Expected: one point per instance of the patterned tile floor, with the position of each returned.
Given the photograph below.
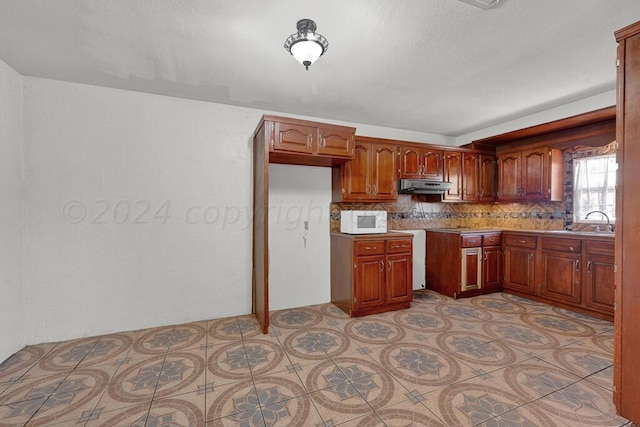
(495, 360)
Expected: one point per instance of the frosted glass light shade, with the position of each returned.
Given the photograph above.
(306, 52)
(306, 45)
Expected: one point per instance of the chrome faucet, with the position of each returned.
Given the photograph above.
(609, 226)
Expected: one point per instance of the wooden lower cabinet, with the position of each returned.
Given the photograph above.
(463, 264)
(561, 278)
(519, 263)
(569, 272)
(371, 273)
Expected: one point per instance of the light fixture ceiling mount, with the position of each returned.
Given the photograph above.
(306, 45)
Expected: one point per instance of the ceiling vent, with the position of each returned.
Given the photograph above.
(482, 4)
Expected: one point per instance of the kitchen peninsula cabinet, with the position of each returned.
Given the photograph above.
(371, 273)
(420, 163)
(370, 176)
(463, 264)
(626, 378)
(535, 174)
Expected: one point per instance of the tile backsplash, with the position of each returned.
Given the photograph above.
(409, 213)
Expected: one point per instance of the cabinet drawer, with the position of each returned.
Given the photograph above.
(398, 245)
(600, 248)
(491, 239)
(370, 247)
(520, 240)
(564, 245)
(471, 240)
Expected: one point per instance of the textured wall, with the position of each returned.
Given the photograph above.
(12, 328)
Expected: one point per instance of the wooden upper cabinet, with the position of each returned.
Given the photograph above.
(487, 178)
(356, 174)
(293, 141)
(470, 177)
(453, 174)
(336, 142)
(420, 163)
(509, 176)
(535, 174)
(293, 138)
(369, 176)
(385, 183)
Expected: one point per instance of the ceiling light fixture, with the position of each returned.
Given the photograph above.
(306, 45)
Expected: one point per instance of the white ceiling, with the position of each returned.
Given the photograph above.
(436, 66)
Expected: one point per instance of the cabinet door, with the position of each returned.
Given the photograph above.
(535, 174)
(491, 267)
(335, 142)
(470, 187)
(432, 164)
(561, 276)
(487, 178)
(292, 138)
(399, 278)
(385, 183)
(453, 174)
(599, 284)
(509, 175)
(471, 269)
(369, 281)
(519, 268)
(356, 174)
(410, 162)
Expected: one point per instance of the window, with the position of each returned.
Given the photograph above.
(594, 188)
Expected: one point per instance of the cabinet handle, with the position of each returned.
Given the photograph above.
(309, 140)
(521, 241)
(588, 267)
(577, 265)
(381, 265)
(368, 188)
(375, 189)
(322, 142)
(389, 262)
(370, 247)
(530, 257)
(571, 248)
(397, 247)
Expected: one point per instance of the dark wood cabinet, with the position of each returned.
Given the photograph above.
(470, 177)
(571, 272)
(371, 273)
(599, 276)
(519, 263)
(369, 281)
(535, 174)
(369, 176)
(626, 378)
(420, 163)
(463, 264)
(453, 174)
(561, 277)
(487, 178)
(301, 142)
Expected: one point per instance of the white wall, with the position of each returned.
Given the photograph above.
(137, 210)
(299, 275)
(12, 326)
(602, 100)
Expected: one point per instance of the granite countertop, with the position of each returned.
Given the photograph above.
(566, 233)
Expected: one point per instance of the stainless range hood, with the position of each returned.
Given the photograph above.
(423, 186)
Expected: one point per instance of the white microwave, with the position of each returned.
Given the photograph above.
(363, 222)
